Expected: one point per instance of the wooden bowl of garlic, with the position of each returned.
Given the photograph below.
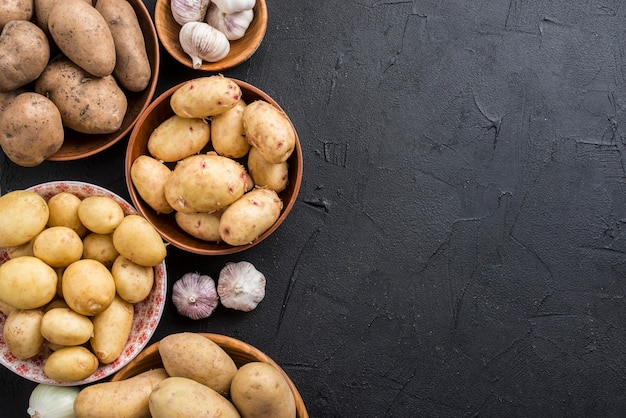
(211, 35)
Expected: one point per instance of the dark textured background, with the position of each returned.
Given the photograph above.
(458, 247)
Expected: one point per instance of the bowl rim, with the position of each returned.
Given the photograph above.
(149, 213)
(131, 349)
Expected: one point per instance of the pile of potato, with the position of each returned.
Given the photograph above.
(76, 267)
(66, 64)
(230, 192)
(198, 379)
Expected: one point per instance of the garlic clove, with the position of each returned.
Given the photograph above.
(203, 42)
(233, 25)
(194, 295)
(184, 11)
(234, 6)
(241, 286)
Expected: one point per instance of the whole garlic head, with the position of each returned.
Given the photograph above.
(184, 11)
(202, 42)
(241, 286)
(234, 6)
(233, 25)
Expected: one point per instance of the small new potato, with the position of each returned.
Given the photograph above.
(137, 240)
(58, 246)
(205, 96)
(177, 138)
(100, 247)
(124, 398)
(24, 53)
(227, 134)
(183, 352)
(100, 214)
(87, 286)
(132, 281)
(183, 397)
(149, 176)
(247, 218)
(269, 130)
(23, 215)
(265, 174)
(203, 225)
(205, 183)
(22, 332)
(27, 282)
(111, 329)
(70, 364)
(63, 208)
(65, 327)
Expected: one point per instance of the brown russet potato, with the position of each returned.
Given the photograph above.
(24, 53)
(15, 10)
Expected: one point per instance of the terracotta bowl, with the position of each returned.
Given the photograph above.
(147, 312)
(240, 352)
(77, 145)
(160, 110)
(240, 50)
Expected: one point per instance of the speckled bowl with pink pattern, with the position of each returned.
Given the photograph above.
(147, 312)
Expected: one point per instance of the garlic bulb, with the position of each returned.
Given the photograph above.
(233, 25)
(241, 286)
(234, 6)
(203, 42)
(184, 11)
(48, 401)
(194, 295)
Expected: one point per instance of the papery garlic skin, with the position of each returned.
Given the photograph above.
(233, 25)
(241, 286)
(184, 11)
(234, 6)
(202, 42)
(194, 295)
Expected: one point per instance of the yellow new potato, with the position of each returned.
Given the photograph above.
(205, 183)
(148, 176)
(22, 332)
(20, 250)
(177, 138)
(23, 214)
(100, 247)
(70, 364)
(58, 246)
(27, 282)
(247, 218)
(227, 134)
(100, 214)
(183, 397)
(87, 286)
(119, 399)
(269, 129)
(132, 281)
(258, 390)
(265, 174)
(205, 96)
(111, 329)
(202, 225)
(63, 326)
(137, 240)
(63, 208)
(183, 352)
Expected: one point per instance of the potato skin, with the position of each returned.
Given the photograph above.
(15, 10)
(258, 390)
(183, 397)
(227, 134)
(266, 174)
(269, 130)
(137, 240)
(87, 286)
(70, 364)
(58, 246)
(111, 329)
(124, 398)
(132, 67)
(31, 129)
(63, 326)
(182, 352)
(100, 214)
(83, 35)
(132, 281)
(100, 247)
(91, 105)
(247, 218)
(24, 54)
(177, 138)
(22, 332)
(203, 225)
(149, 176)
(27, 282)
(205, 96)
(63, 208)
(23, 215)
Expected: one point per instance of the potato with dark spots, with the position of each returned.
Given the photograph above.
(24, 54)
(15, 10)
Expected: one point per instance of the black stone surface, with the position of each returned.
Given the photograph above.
(458, 248)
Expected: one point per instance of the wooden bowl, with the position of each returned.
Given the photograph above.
(78, 145)
(239, 351)
(160, 110)
(240, 50)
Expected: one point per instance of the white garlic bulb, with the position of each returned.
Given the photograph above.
(203, 42)
(184, 11)
(234, 6)
(233, 25)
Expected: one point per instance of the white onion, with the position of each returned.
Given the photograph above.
(48, 401)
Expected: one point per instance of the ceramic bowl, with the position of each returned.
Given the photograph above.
(240, 50)
(239, 351)
(77, 145)
(147, 313)
(160, 110)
